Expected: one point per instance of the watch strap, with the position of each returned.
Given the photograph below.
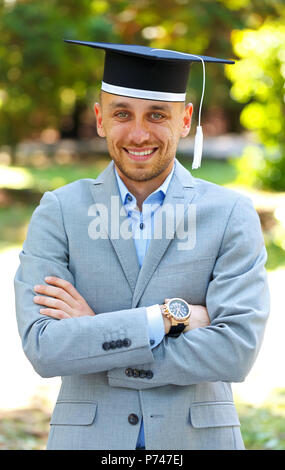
(176, 330)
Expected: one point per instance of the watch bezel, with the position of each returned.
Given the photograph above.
(179, 319)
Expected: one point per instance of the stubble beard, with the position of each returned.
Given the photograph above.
(140, 176)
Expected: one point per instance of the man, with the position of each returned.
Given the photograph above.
(122, 319)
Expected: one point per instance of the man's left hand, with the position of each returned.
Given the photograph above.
(64, 301)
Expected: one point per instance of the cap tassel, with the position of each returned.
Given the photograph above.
(198, 144)
(198, 148)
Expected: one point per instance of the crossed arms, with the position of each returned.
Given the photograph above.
(71, 343)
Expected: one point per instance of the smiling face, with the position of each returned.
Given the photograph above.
(142, 135)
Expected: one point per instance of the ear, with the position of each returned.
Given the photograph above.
(98, 114)
(187, 117)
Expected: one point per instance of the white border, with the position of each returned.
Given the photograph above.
(145, 94)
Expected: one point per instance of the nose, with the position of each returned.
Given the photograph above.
(139, 132)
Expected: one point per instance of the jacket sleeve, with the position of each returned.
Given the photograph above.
(238, 304)
(77, 345)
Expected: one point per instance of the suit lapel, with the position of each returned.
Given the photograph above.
(179, 195)
(106, 195)
(108, 200)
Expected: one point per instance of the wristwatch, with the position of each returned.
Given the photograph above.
(178, 311)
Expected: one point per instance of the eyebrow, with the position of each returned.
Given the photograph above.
(154, 107)
(163, 107)
(120, 104)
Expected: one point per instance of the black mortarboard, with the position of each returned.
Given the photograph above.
(149, 73)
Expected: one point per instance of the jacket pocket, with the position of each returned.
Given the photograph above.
(74, 413)
(213, 414)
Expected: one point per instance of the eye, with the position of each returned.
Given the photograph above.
(156, 116)
(122, 114)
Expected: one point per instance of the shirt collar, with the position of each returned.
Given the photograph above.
(124, 192)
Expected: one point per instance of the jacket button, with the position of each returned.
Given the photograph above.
(133, 419)
(129, 372)
(151, 342)
(142, 374)
(113, 344)
(127, 342)
(149, 374)
(106, 346)
(136, 373)
(119, 343)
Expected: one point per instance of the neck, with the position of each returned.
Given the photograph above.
(142, 189)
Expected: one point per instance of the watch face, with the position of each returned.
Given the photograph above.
(178, 308)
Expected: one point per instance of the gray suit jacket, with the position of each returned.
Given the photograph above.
(185, 399)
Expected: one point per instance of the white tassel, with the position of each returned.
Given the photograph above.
(198, 148)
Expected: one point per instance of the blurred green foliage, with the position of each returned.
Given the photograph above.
(263, 428)
(258, 82)
(43, 80)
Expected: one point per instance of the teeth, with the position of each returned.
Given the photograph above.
(146, 152)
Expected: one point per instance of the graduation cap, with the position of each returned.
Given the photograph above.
(150, 73)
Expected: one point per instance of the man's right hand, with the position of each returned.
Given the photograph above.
(199, 318)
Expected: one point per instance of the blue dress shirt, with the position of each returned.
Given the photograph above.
(142, 224)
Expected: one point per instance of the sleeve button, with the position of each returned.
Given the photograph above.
(129, 372)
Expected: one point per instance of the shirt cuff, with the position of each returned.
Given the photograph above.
(155, 325)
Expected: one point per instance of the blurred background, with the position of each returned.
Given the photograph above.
(48, 139)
